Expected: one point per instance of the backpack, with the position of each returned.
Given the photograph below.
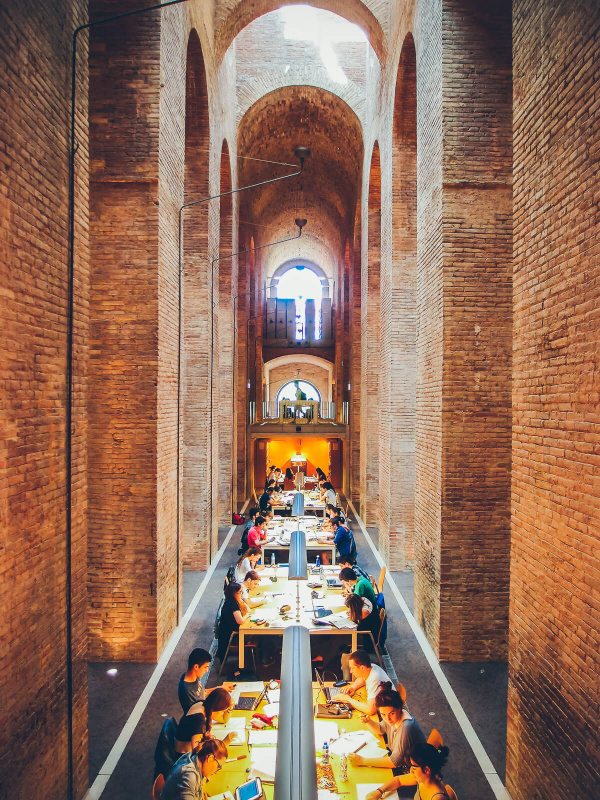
(164, 753)
(380, 600)
(352, 555)
(229, 577)
(245, 545)
(237, 519)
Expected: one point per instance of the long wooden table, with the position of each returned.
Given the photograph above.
(236, 772)
(286, 592)
(311, 501)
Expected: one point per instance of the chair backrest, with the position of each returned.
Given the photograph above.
(401, 691)
(435, 738)
(158, 787)
(451, 793)
(381, 580)
(381, 639)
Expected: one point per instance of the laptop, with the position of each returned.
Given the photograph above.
(329, 692)
(334, 583)
(250, 703)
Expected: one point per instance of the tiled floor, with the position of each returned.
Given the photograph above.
(481, 689)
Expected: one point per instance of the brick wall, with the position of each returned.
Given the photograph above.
(318, 376)
(370, 339)
(553, 739)
(34, 120)
(463, 344)
(135, 175)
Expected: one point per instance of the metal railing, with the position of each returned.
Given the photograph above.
(274, 410)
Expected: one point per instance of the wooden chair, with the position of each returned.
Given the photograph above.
(435, 738)
(376, 647)
(451, 793)
(158, 787)
(402, 692)
(381, 580)
(235, 647)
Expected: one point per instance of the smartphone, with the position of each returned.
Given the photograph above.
(341, 683)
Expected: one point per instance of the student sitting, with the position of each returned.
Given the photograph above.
(258, 534)
(365, 616)
(190, 689)
(355, 585)
(265, 500)
(328, 493)
(402, 733)
(425, 764)
(360, 573)
(365, 674)
(250, 583)
(246, 562)
(250, 524)
(233, 614)
(186, 779)
(198, 721)
(343, 540)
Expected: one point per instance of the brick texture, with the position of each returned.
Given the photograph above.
(34, 119)
(554, 669)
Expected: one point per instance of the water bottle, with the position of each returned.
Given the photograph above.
(343, 768)
(325, 759)
(272, 559)
(318, 561)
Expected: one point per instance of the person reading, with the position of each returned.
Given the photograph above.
(425, 772)
(265, 499)
(359, 571)
(365, 616)
(353, 584)
(258, 534)
(186, 779)
(249, 584)
(343, 540)
(233, 613)
(365, 674)
(401, 730)
(196, 724)
(190, 689)
(246, 562)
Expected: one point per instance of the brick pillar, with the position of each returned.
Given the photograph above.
(370, 356)
(354, 394)
(196, 480)
(554, 670)
(464, 330)
(398, 329)
(134, 188)
(34, 120)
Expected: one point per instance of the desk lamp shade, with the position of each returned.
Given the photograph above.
(298, 569)
(298, 505)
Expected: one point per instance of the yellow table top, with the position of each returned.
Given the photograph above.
(285, 592)
(236, 772)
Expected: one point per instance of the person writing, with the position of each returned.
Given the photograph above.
(265, 499)
(365, 674)
(359, 571)
(197, 723)
(258, 534)
(249, 584)
(401, 730)
(328, 493)
(233, 614)
(186, 779)
(365, 616)
(425, 765)
(246, 562)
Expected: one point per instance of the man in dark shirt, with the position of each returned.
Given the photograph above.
(343, 540)
(265, 500)
(190, 689)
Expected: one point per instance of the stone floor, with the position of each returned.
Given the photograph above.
(480, 688)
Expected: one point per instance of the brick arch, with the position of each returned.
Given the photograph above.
(370, 358)
(313, 369)
(299, 262)
(196, 480)
(232, 16)
(398, 336)
(250, 93)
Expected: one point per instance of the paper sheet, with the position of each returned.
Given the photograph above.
(325, 731)
(250, 687)
(363, 789)
(340, 621)
(274, 695)
(262, 738)
(353, 742)
(271, 710)
(263, 763)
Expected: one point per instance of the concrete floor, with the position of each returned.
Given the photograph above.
(481, 689)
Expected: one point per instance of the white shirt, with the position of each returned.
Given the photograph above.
(376, 676)
(330, 496)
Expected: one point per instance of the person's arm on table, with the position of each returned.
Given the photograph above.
(391, 786)
(385, 762)
(352, 687)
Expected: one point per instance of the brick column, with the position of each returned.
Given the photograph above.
(134, 188)
(464, 329)
(354, 372)
(554, 671)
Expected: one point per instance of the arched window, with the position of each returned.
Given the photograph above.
(289, 391)
(302, 284)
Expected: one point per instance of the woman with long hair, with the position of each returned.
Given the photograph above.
(425, 764)
(194, 725)
(233, 613)
(189, 772)
(365, 616)
(247, 562)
